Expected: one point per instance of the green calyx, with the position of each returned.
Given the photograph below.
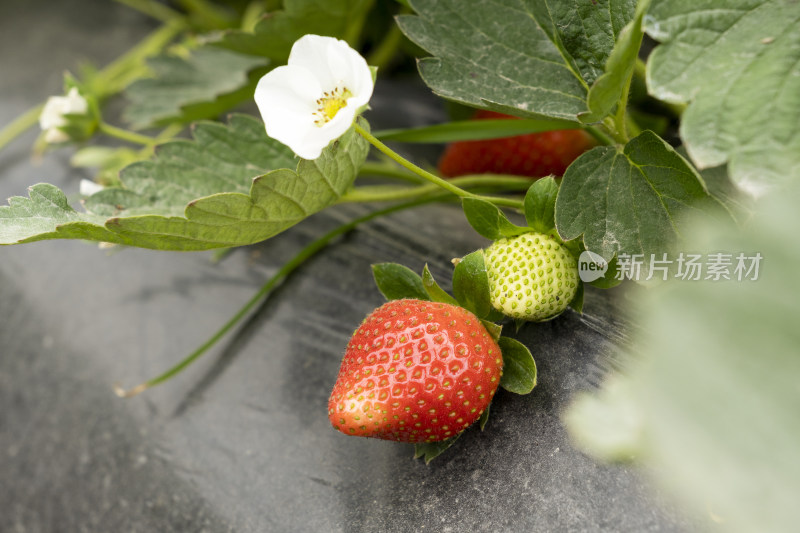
(531, 276)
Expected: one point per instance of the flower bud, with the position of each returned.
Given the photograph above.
(65, 118)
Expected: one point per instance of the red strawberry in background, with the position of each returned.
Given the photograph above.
(535, 154)
(415, 371)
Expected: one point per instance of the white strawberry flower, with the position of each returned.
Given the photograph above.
(52, 117)
(315, 98)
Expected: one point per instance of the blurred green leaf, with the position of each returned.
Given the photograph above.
(110, 161)
(712, 407)
(205, 84)
(607, 423)
(737, 65)
(276, 32)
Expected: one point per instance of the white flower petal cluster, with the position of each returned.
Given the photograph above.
(52, 116)
(314, 98)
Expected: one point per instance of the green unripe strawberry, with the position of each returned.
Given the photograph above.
(531, 276)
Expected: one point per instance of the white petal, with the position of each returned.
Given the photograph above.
(311, 52)
(290, 87)
(337, 55)
(88, 187)
(286, 98)
(56, 107)
(318, 138)
(75, 104)
(362, 81)
(55, 136)
(52, 113)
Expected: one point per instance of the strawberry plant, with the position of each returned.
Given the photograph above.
(651, 125)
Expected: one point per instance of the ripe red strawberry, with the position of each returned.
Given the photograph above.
(535, 154)
(415, 371)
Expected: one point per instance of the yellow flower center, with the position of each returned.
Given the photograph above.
(330, 104)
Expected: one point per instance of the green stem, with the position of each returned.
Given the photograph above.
(600, 135)
(169, 132)
(20, 125)
(306, 253)
(252, 14)
(388, 193)
(611, 126)
(620, 121)
(154, 9)
(444, 184)
(119, 73)
(207, 15)
(125, 135)
(370, 168)
(166, 134)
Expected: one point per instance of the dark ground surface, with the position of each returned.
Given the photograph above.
(241, 441)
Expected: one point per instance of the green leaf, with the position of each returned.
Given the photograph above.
(531, 58)
(738, 68)
(433, 290)
(431, 450)
(397, 282)
(583, 30)
(484, 417)
(110, 161)
(609, 279)
(276, 32)
(720, 186)
(715, 398)
(225, 174)
(635, 201)
(577, 300)
(487, 219)
(38, 217)
(494, 329)
(206, 83)
(519, 368)
(472, 130)
(606, 91)
(540, 205)
(471, 284)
